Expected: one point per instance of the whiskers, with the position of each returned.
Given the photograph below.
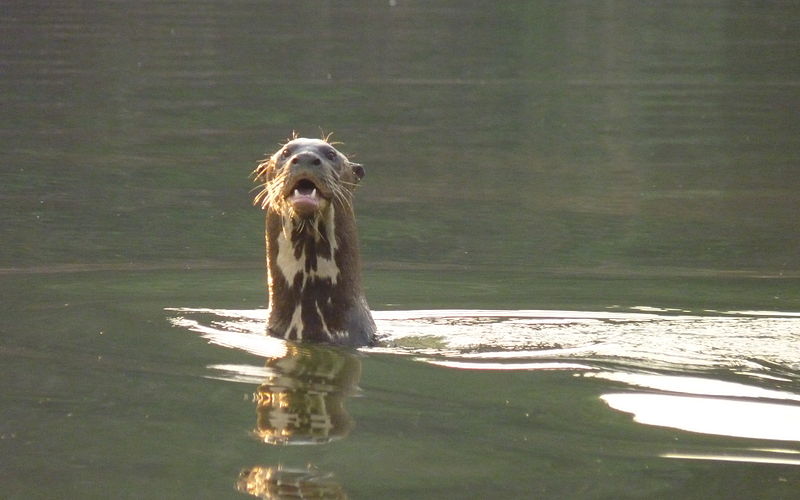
(270, 192)
(269, 195)
(310, 225)
(260, 199)
(342, 195)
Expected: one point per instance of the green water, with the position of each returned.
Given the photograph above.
(528, 156)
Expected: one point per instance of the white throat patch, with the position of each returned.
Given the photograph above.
(290, 266)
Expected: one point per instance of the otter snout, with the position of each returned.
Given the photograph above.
(306, 159)
(306, 187)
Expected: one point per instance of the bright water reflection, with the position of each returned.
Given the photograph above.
(747, 419)
(733, 339)
(674, 357)
(755, 456)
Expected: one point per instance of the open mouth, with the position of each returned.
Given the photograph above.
(305, 187)
(305, 197)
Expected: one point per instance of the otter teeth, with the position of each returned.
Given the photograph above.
(313, 193)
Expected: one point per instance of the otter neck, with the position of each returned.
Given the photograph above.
(313, 277)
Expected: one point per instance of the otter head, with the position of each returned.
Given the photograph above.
(304, 177)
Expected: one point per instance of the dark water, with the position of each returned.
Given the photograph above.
(598, 201)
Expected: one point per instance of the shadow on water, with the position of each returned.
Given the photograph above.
(731, 374)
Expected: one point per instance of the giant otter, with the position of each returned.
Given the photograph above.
(313, 262)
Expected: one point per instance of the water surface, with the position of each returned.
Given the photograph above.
(579, 232)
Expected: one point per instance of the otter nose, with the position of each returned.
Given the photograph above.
(305, 159)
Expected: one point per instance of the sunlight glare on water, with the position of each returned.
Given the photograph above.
(514, 335)
(747, 419)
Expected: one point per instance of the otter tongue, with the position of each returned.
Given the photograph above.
(304, 200)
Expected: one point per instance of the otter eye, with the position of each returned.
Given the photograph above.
(331, 154)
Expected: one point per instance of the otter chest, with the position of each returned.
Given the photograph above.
(306, 275)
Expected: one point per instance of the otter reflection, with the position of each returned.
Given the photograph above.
(279, 483)
(302, 401)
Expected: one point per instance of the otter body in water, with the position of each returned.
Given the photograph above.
(313, 262)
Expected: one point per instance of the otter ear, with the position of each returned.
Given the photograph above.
(358, 170)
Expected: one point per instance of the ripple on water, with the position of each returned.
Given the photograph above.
(670, 364)
(747, 340)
